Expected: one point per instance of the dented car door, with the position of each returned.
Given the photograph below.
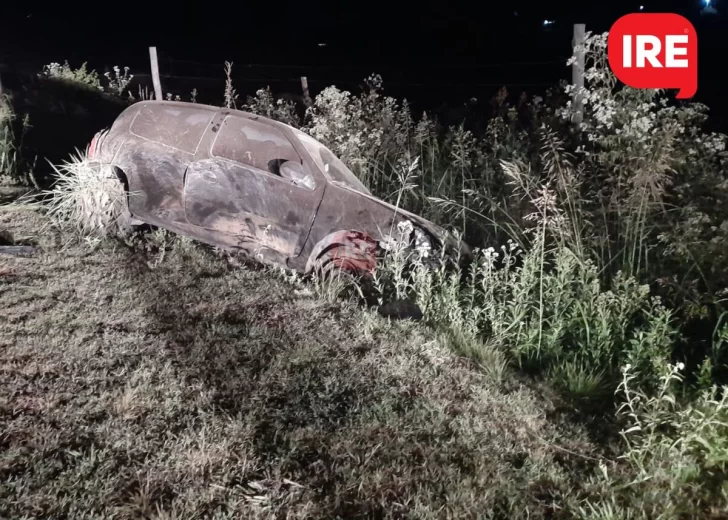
(250, 181)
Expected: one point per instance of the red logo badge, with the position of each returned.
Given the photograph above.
(655, 50)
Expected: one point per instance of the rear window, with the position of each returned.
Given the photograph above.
(178, 127)
(255, 144)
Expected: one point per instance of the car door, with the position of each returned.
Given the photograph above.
(252, 184)
(161, 142)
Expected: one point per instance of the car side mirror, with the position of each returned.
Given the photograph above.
(293, 171)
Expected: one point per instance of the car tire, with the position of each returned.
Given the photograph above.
(121, 218)
(326, 265)
(347, 251)
(326, 268)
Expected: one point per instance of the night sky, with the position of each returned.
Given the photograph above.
(427, 50)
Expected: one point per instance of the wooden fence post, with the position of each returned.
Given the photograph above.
(306, 95)
(155, 74)
(577, 71)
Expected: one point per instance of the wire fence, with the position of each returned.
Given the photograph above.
(410, 79)
(420, 81)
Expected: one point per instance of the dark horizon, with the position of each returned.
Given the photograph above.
(430, 52)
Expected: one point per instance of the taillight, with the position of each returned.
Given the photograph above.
(94, 146)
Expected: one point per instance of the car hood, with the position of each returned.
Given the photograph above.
(446, 239)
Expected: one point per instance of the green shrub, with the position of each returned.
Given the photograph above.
(545, 308)
(265, 104)
(13, 164)
(80, 76)
(117, 80)
(676, 448)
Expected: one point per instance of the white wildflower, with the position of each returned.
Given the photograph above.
(405, 228)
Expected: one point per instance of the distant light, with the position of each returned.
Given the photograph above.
(548, 22)
(322, 44)
(708, 9)
(642, 7)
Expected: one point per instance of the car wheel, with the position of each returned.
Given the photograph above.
(120, 218)
(347, 251)
(334, 265)
(329, 266)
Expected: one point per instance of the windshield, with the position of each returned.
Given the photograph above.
(335, 170)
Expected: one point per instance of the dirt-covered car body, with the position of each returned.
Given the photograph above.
(240, 181)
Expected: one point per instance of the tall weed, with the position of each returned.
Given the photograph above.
(676, 449)
(13, 164)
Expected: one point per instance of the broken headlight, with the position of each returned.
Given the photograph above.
(412, 241)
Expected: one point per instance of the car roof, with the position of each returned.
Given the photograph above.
(211, 108)
(129, 117)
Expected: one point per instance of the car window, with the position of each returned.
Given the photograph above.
(255, 144)
(178, 127)
(334, 169)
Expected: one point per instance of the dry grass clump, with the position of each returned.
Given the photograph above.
(87, 198)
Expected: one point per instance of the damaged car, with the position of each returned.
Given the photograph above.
(242, 182)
